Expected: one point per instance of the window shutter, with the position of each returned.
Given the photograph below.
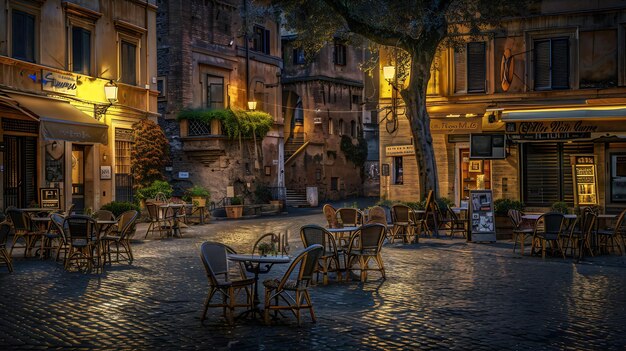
(560, 63)
(542, 64)
(266, 42)
(476, 67)
(541, 174)
(459, 72)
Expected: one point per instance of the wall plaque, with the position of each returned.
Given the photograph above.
(63, 83)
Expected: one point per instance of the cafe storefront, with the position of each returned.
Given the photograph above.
(550, 140)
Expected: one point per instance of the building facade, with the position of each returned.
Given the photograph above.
(58, 129)
(515, 111)
(215, 55)
(322, 104)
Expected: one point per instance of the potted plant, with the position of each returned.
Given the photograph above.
(267, 248)
(501, 207)
(198, 195)
(235, 209)
(560, 207)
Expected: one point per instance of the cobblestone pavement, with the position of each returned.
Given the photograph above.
(440, 294)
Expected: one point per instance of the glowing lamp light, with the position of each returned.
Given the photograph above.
(389, 72)
(110, 91)
(251, 105)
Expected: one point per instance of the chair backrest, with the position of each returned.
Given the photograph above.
(69, 210)
(620, 223)
(400, 213)
(451, 214)
(516, 217)
(269, 238)
(214, 258)
(153, 211)
(160, 197)
(377, 214)
(349, 216)
(331, 215)
(369, 238)
(103, 215)
(312, 234)
(20, 219)
(79, 227)
(5, 229)
(57, 221)
(552, 222)
(305, 263)
(588, 224)
(125, 222)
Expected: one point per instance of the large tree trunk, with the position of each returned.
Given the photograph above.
(414, 97)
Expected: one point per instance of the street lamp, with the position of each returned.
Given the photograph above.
(110, 93)
(251, 105)
(389, 74)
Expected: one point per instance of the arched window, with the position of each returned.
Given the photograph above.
(341, 127)
(331, 127)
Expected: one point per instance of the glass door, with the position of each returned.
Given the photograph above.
(475, 174)
(78, 177)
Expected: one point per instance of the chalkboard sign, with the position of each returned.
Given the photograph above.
(482, 221)
(50, 198)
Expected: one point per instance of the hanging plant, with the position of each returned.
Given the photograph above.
(149, 154)
(236, 123)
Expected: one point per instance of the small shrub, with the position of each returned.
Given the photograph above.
(502, 206)
(262, 194)
(119, 207)
(236, 200)
(419, 205)
(198, 191)
(444, 202)
(385, 202)
(560, 207)
(158, 186)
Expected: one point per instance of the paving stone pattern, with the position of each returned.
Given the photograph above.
(440, 294)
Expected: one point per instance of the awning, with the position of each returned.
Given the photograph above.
(59, 120)
(564, 114)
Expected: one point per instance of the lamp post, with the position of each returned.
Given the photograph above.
(389, 74)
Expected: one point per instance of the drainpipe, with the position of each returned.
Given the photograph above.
(245, 38)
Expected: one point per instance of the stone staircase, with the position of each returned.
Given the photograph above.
(293, 144)
(296, 198)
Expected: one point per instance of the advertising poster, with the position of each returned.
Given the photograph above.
(481, 216)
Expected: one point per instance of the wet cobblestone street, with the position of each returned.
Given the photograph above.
(439, 294)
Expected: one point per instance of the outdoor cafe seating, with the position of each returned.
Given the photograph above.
(365, 246)
(403, 225)
(214, 257)
(548, 230)
(5, 258)
(291, 291)
(329, 259)
(117, 240)
(80, 231)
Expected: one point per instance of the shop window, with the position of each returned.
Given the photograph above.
(23, 36)
(81, 50)
(547, 172)
(334, 183)
(339, 53)
(551, 64)
(470, 72)
(215, 92)
(618, 177)
(298, 56)
(123, 174)
(128, 62)
(261, 40)
(398, 171)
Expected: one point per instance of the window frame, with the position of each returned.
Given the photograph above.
(340, 53)
(207, 101)
(133, 40)
(163, 92)
(261, 39)
(298, 56)
(398, 171)
(36, 14)
(551, 70)
(466, 73)
(532, 36)
(70, 41)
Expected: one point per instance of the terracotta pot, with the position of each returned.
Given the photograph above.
(234, 211)
(198, 201)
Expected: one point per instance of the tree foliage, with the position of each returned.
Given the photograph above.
(149, 154)
(415, 29)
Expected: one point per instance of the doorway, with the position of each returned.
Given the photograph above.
(78, 177)
(475, 174)
(20, 178)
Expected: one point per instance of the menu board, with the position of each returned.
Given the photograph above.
(585, 181)
(50, 198)
(482, 221)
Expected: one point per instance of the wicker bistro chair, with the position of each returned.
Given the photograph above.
(521, 229)
(292, 287)
(350, 217)
(403, 225)
(5, 258)
(23, 230)
(214, 257)
(57, 232)
(456, 224)
(329, 260)
(158, 220)
(270, 238)
(331, 216)
(580, 235)
(548, 229)
(117, 241)
(80, 231)
(366, 244)
(103, 215)
(607, 238)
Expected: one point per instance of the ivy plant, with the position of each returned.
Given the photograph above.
(236, 123)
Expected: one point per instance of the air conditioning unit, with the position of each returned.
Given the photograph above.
(317, 120)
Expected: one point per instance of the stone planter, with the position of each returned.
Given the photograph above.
(233, 211)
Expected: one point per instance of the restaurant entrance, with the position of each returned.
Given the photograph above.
(475, 174)
(78, 177)
(20, 176)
